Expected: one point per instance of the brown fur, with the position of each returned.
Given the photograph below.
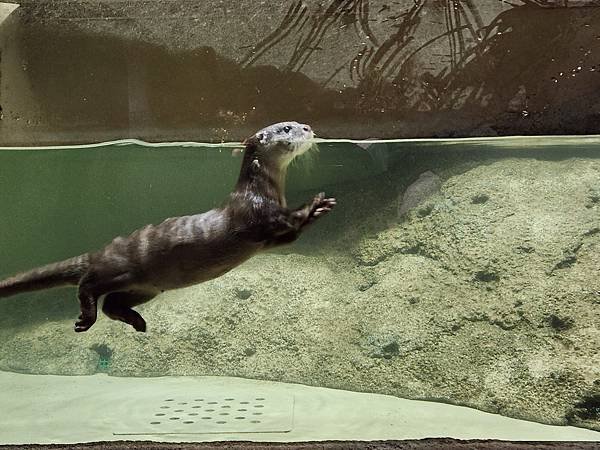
(187, 250)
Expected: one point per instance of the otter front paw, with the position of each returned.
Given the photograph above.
(321, 206)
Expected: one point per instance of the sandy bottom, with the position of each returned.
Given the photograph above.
(71, 409)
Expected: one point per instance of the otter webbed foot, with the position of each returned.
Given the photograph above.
(289, 224)
(84, 324)
(320, 206)
(87, 304)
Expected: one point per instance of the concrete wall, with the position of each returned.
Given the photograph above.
(189, 70)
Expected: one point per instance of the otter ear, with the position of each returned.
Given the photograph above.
(253, 140)
(260, 138)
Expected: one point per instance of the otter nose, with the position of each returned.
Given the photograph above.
(306, 128)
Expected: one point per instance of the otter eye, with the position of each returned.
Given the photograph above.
(287, 128)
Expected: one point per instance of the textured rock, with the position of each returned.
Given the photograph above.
(472, 304)
(424, 187)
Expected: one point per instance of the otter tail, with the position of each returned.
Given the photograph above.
(61, 273)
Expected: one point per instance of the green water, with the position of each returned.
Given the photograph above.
(486, 294)
(58, 202)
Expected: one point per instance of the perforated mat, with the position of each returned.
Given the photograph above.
(202, 412)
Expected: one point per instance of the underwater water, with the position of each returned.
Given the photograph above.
(457, 271)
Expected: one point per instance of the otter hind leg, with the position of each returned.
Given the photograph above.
(88, 305)
(117, 306)
(91, 287)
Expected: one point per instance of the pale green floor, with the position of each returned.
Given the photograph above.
(62, 409)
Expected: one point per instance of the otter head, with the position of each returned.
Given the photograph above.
(282, 141)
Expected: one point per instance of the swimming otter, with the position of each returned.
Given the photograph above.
(187, 250)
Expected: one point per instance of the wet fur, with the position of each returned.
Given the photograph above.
(188, 250)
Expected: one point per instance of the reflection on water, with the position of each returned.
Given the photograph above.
(482, 292)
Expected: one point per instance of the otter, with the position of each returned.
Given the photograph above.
(188, 250)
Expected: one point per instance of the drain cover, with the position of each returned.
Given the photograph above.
(200, 413)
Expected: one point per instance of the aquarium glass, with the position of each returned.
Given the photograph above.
(453, 290)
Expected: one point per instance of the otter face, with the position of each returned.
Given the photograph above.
(286, 139)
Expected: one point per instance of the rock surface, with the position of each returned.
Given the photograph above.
(424, 187)
(490, 300)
